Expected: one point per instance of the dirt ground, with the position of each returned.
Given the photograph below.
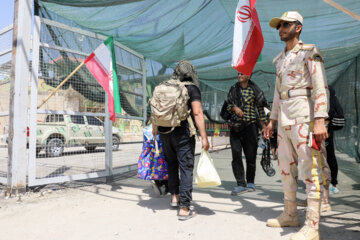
(128, 209)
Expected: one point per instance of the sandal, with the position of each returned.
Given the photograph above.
(187, 217)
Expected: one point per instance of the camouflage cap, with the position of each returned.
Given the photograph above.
(290, 16)
(184, 70)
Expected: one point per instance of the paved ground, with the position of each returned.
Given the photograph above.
(127, 209)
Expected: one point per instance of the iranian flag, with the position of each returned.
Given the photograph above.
(248, 40)
(102, 65)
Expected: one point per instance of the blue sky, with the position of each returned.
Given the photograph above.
(6, 13)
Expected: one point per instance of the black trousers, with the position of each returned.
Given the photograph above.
(245, 140)
(179, 150)
(331, 158)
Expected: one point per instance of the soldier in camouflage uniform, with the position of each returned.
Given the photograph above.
(300, 106)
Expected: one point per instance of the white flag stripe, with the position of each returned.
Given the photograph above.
(241, 54)
(103, 55)
(100, 63)
(241, 32)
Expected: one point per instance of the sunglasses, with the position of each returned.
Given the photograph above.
(284, 24)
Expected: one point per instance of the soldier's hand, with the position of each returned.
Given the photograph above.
(268, 131)
(205, 143)
(320, 131)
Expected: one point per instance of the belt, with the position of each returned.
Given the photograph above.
(294, 93)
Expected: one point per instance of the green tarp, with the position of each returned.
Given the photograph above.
(201, 31)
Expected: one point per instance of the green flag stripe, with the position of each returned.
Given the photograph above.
(110, 42)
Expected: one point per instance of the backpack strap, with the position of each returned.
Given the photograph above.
(192, 128)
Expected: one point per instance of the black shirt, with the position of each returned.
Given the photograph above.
(195, 95)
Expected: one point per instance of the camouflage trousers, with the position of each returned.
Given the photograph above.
(293, 150)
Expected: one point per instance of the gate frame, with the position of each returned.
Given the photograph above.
(4, 180)
(19, 82)
(109, 171)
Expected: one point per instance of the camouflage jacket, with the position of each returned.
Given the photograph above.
(300, 68)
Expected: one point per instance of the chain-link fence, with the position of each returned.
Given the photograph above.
(348, 93)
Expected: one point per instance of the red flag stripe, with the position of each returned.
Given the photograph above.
(251, 53)
(103, 78)
(246, 56)
(89, 57)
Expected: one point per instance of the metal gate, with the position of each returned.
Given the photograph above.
(71, 137)
(6, 36)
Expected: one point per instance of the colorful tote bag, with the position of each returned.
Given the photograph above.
(150, 166)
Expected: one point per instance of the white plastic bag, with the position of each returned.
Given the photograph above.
(148, 136)
(147, 131)
(206, 174)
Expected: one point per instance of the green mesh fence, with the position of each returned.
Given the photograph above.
(347, 89)
(166, 32)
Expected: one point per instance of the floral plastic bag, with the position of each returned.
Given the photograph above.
(206, 174)
(150, 165)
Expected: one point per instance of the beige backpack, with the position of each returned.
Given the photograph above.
(169, 105)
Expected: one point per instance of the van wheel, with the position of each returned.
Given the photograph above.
(90, 148)
(115, 143)
(54, 147)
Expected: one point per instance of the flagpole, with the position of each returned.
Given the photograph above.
(62, 83)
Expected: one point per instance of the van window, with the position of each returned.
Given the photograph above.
(94, 121)
(55, 118)
(77, 119)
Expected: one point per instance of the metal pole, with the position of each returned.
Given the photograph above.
(20, 76)
(108, 143)
(357, 136)
(216, 106)
(33, 101)
(144, 91)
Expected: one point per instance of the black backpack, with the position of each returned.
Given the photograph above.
(224, 114)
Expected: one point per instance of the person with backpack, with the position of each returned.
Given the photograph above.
(175, 105)
(246, 102)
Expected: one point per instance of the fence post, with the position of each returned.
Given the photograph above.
(20, 75)
(108, 142)
(33, 100)
(357, 135)
(144, 91)
(216, 107)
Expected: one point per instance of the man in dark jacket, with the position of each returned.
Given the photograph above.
(246, 104)
(335, 112)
